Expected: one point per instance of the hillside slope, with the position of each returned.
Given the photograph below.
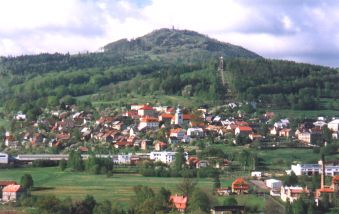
(163, 63)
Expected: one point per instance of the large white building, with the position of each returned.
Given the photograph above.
(164, 156)
(314, 169)
(273, 184)
(3, 158)
(334, 125)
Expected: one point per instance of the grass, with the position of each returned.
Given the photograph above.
(118, 188)
(305, 113)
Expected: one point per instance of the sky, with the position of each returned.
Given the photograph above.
(299, 30)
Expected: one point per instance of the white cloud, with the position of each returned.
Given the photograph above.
(280, 29)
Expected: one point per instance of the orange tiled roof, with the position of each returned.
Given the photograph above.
(335, 179)
(11, 188)
(5, 183)
(240, 183)
(146, 107)
(166, 116)
(174, 131)
(180, 202)
(245, 128)
(149, 119)
(186, 117)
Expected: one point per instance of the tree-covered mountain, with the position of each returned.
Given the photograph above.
(164, 62)
(177, 44)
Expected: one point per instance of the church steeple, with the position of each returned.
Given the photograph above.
(178, 117)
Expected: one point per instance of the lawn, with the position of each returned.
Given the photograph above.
(119, 188)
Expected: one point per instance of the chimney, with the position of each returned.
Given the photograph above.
(322, 164)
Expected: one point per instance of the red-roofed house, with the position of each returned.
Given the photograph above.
(6, 183)
(240, 186)
(146, 110)
(148, 122)
(165, 117)
(292, 193)
(179, 202)
(178, 133)
(12, 192)
(159, 146)
(243, 130)
(285, 132)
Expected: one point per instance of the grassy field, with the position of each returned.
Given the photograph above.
(153, 99)
(117, 189)
(305, 113)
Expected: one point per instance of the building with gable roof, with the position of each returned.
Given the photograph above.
(240, 186)
(179, 202)
(12, 192)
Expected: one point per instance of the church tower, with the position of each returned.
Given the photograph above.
(178, 117)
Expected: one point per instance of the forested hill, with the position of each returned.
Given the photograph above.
(164, 62)
(177, 43)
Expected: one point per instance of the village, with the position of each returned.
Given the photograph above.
(158, 133)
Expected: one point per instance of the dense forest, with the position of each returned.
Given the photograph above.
(164, 62)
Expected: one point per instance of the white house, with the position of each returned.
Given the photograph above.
(291, 193)
(283, 123)
(148, 122)
(334, 125)
(3, 158)
(122, 159)
(195, 132)
(164, 156)
(256, 174)
(178, 133)
(273, 184)
(319, 123)
(314, 169)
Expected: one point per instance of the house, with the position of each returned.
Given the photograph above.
(254, 136)
(164, 156)
(6, 183)
(179, 202)
(195, 132)
(159, 146)
(243, 130)
(20, 117)
(122, 159)
(285, 132)
(283, 123)
(292, 193)
(310, 137)
(117, 125)
(12, 192)
(10, 140)
(178, 133)
(256, 174)
(315, 169)
(274, 131)
(224, 191)
(232, 209)
(166, 118)
(319, 124)
(4, 159)
(146, 110)
(273, 184)
(334, 125)
(148, 122)
(122, 144)
(144, 144)
(239, 186)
